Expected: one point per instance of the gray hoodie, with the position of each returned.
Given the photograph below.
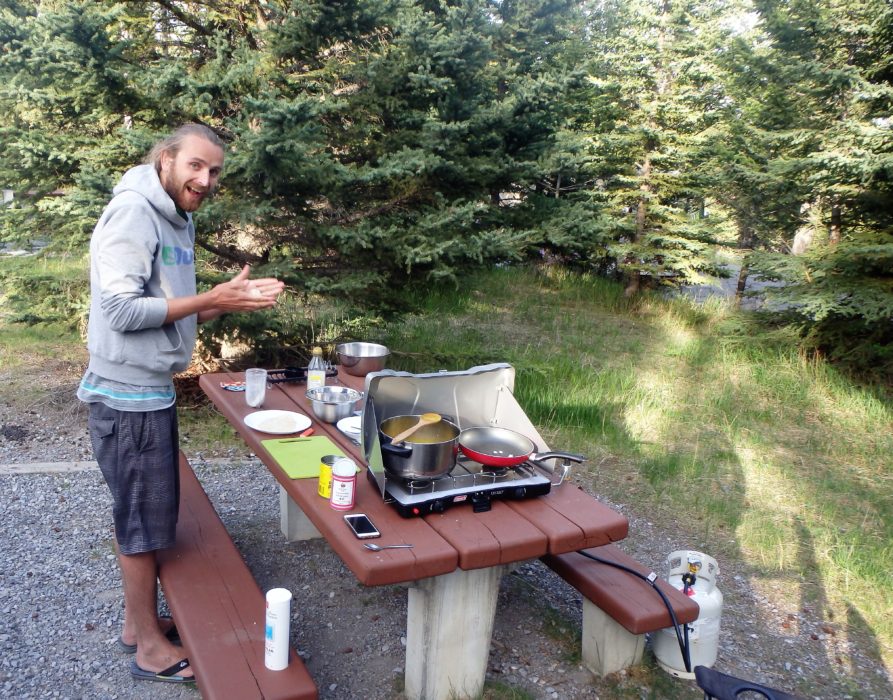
(141, 254)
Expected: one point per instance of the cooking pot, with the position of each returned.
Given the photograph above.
(429, 453)
(501, 447)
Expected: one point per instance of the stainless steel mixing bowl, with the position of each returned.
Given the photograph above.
(359, 359)
(332, 403)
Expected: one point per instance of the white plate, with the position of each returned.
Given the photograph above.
(277, 422)
(350, 426)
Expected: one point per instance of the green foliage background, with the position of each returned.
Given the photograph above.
(379, 146)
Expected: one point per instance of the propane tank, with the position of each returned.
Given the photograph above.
(700, 571)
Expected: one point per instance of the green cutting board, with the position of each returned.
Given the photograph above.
(300, 457)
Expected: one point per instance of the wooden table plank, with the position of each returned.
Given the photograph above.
(572, 519)
(431, 554)
(476, 537)
(568, 518)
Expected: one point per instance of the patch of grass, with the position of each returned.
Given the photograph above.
(41, 305)
(44, 289)
(495, 690)
(203, 429)
(565, 634)
(650, 681)
(28, 346)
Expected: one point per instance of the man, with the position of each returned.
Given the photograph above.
(143, 315)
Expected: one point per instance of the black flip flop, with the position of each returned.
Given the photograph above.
(173, 636)
(168, 675)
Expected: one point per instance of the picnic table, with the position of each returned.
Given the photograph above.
(458, 556)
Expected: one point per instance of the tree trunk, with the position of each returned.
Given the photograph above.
(742, 283)
(634, 277)
(835, 231)
(746, 241)
(641, 218)
(642, 207)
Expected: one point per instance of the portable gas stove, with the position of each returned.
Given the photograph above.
(468, 482)
(479, 396)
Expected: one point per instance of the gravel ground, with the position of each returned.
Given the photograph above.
(61, 599)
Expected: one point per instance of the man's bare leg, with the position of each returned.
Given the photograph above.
(128, 632)
(154, 652)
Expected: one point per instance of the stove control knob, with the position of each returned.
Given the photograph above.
(480, 502)
(520, 492)
(437, 507)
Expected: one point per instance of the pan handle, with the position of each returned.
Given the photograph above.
(569, 456)
(566, 459)
(396, 450)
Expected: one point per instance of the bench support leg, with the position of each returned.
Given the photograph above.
(448, 631)
(607, 646)
(295, 525)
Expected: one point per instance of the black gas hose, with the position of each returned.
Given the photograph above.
(651, 580)
(688, 580)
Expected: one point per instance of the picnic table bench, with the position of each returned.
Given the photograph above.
(219, 608)
(618, 607)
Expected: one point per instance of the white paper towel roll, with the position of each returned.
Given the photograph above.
(276, 638)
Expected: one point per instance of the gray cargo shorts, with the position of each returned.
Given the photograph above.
(139, 457)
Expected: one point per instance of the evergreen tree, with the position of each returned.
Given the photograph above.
(741, 149)
(61, 89)
(654, 99)
(836, 99)
(369, 141)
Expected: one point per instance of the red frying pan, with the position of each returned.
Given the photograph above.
(501, 447)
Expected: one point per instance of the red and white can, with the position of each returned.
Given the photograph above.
(344, 484)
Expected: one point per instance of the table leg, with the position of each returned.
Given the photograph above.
(295, 525)
(448, 629)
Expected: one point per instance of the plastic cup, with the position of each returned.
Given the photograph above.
(255, 386)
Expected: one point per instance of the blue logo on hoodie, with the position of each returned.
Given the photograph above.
(175, 255)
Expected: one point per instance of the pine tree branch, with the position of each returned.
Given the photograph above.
(343, 218)
(182, 17)
(232, 254)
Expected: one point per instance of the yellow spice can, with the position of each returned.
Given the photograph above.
(325, 476)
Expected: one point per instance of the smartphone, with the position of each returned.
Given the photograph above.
(361, 525)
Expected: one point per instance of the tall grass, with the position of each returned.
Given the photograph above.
(45, 289)
(695, 415)
(42, 304)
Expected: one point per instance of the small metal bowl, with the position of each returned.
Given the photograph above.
(359, 359)
(332, 403)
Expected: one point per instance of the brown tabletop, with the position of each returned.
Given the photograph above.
(564, 520)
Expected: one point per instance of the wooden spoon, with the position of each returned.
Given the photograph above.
(424, 419)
